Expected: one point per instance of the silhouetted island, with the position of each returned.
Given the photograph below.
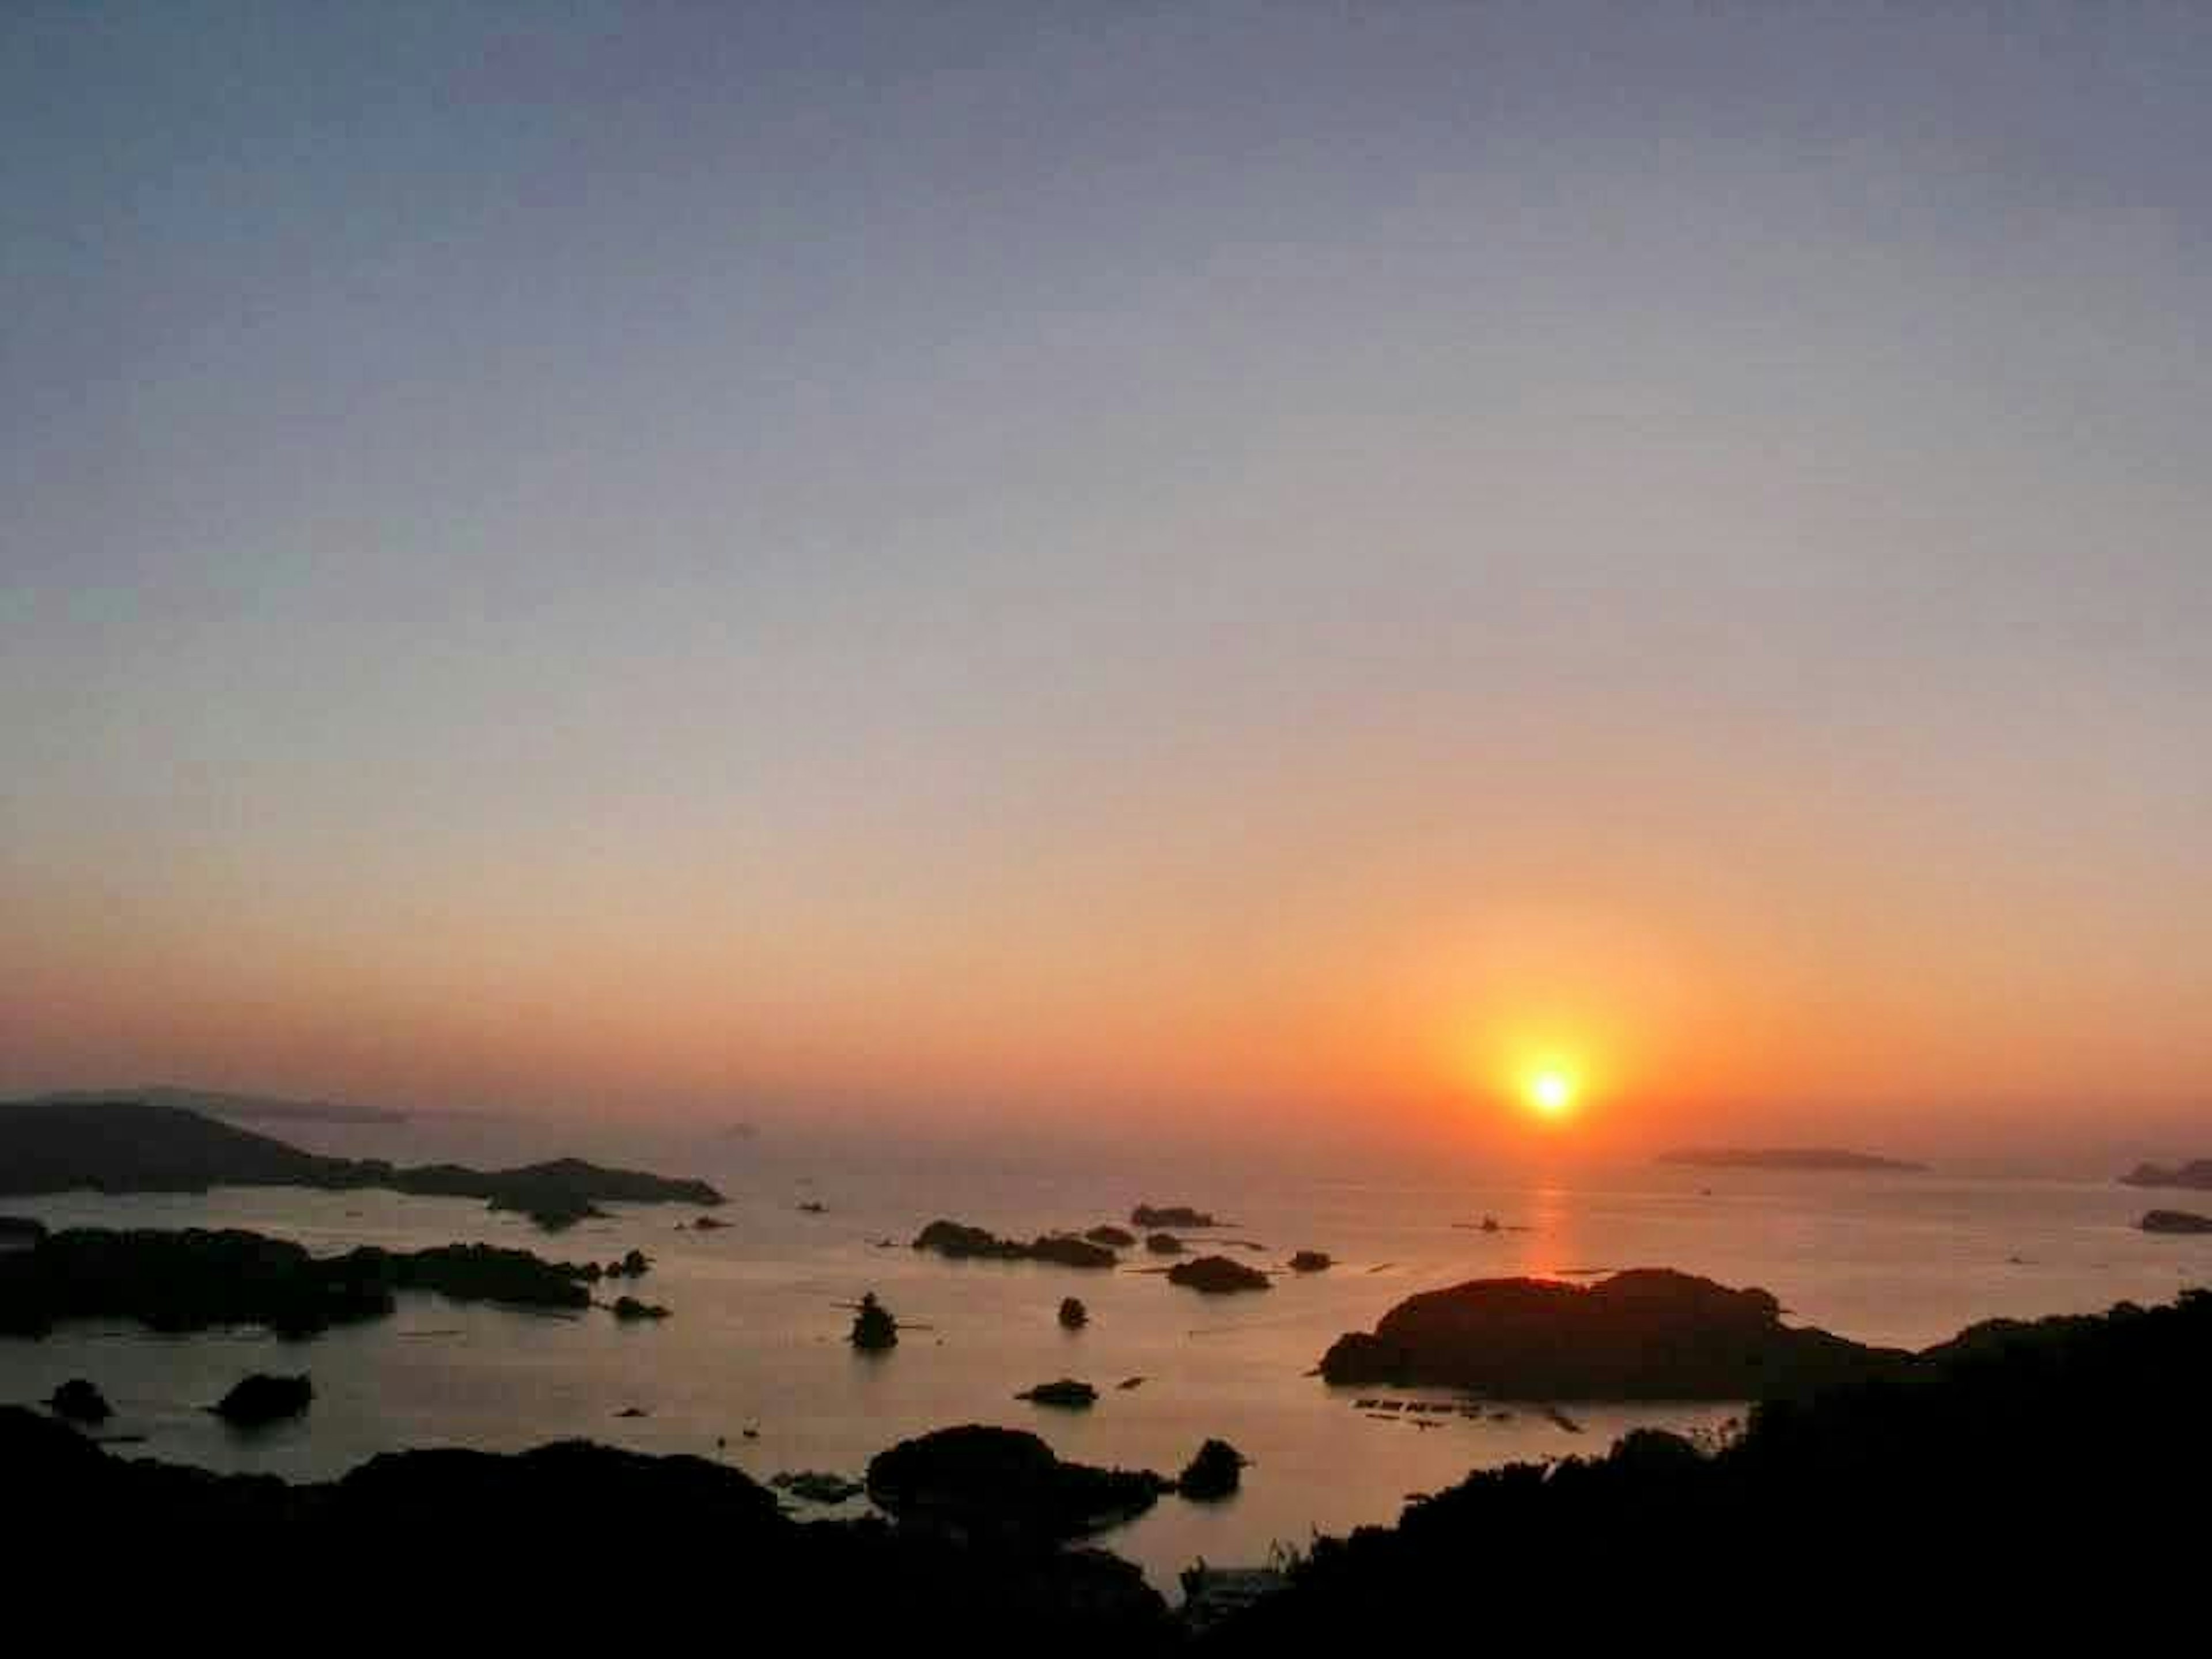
(1785, 1157)
(1213, 1474)
(139, 1146)
(988, 1482)
(874, 1328)
(1067, 1393)
(2196, 1174)
(1217, 1275)
(193, 1280)
(80, 1401)
(2175, 1221)
(1651, 1333)
(958, 1241)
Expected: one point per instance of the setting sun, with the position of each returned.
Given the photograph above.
(1550, 1092)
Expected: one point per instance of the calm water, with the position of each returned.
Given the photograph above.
(758, 1342)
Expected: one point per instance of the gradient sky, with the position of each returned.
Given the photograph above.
(1222, 565)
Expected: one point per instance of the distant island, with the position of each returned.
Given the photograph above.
(2196, 1175)
(1782, 1158)
(215, 1103)
(130, 1145)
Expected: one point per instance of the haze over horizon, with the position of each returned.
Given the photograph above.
(968, 566)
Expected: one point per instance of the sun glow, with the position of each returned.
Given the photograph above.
(1550, 1091)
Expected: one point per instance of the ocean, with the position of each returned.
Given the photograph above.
(754, 1366)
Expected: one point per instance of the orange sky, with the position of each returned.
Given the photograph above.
(1205, 577)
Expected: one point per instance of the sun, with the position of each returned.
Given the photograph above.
(1550, 1091)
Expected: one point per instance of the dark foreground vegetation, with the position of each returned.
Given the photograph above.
(141, 1146)
(2020, 1474)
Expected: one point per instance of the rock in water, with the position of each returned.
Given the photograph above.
(1073, 1315)
(1651, 1334)
(1067, 1393)
(1163, 1244)
(1217, 1275)
(260, 1400)
(78, 1401)
(629, 1309)
(1213, 1474)
(873, 1329)
(1312, 1261)
(1114, 1238)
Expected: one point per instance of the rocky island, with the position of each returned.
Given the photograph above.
(987, 1482)
(1651, 1333)
(1217, 1275)
(958, 1242)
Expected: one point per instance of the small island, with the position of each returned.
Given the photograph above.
(958, 1242)
(1785, 1158)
